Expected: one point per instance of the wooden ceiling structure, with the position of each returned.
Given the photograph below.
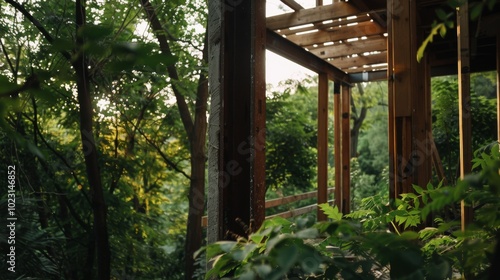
(345, 42)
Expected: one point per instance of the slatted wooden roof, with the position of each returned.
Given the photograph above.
(352, 34)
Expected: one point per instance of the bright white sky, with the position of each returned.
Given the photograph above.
(278, 68)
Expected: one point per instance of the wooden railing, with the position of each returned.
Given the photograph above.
(286, 200)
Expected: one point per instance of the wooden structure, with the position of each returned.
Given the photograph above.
(345, 42)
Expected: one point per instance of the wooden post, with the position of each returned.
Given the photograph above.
(346, 149)
(410, 158)
(337, 144)
(237, 38)
(322, 142)
(400, 89)
(464, 102)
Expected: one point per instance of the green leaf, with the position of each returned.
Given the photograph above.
(441, 14)
(491, 4)
(476, 10)
(409, 235)
(263, 270)
(418, 189)
(442, 31)
(331, 212)
(308, 233)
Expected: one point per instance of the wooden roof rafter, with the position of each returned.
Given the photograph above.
(345, 35)
(313, 15)
(324, 25)
(337, 33)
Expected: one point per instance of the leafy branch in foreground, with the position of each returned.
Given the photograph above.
(361, 246)
(445, 20)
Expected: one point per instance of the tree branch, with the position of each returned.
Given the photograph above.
(163, 156)
(37, 24)
(171, 69)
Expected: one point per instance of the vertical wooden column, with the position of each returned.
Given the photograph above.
(410, 158)
(464, 101)
(346, 149)
(322, 142)
(337, 127)
(237, 118)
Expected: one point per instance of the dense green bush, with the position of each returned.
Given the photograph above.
(377, 241)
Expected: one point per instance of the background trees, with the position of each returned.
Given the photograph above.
(94, 68)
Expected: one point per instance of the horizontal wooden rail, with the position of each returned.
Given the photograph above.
(285, 200)
(292, 198)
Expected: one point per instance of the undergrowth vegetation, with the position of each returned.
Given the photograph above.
(418, 237)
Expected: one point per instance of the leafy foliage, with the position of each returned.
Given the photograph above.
(446, 21)
(359, 246)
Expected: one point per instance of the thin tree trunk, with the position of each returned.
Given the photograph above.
(358, 122)
(197, 186)
(196, 133)
(90, 153)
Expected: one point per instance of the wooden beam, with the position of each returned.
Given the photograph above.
(293, 198)
(464, 102)
(372, 68)
(361, 4)
(359, 61)
(337, 33)
(323, 26)
(356, 47)
(369, 76)
(293, 5)
(346, 149)
(237, 128)
(322, 142)
(402, 59)
(290, 51)
(312, 15)
(337, 143)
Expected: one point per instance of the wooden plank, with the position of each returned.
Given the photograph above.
(337, 145)
(280, 201)
(374, 67)
(359, 61)
(346, 149)
(293, 198)
(312, 15)
(322, 142)
(295, 212)
(289, 50)
(337, 33)
(292, 4)
(357, 47)
(324, 26)
(436, 161)
(370, 76)
(464, 102)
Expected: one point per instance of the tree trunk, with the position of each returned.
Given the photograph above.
(358, 122)
(197, 186)
(90, 152)
(196, 133)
